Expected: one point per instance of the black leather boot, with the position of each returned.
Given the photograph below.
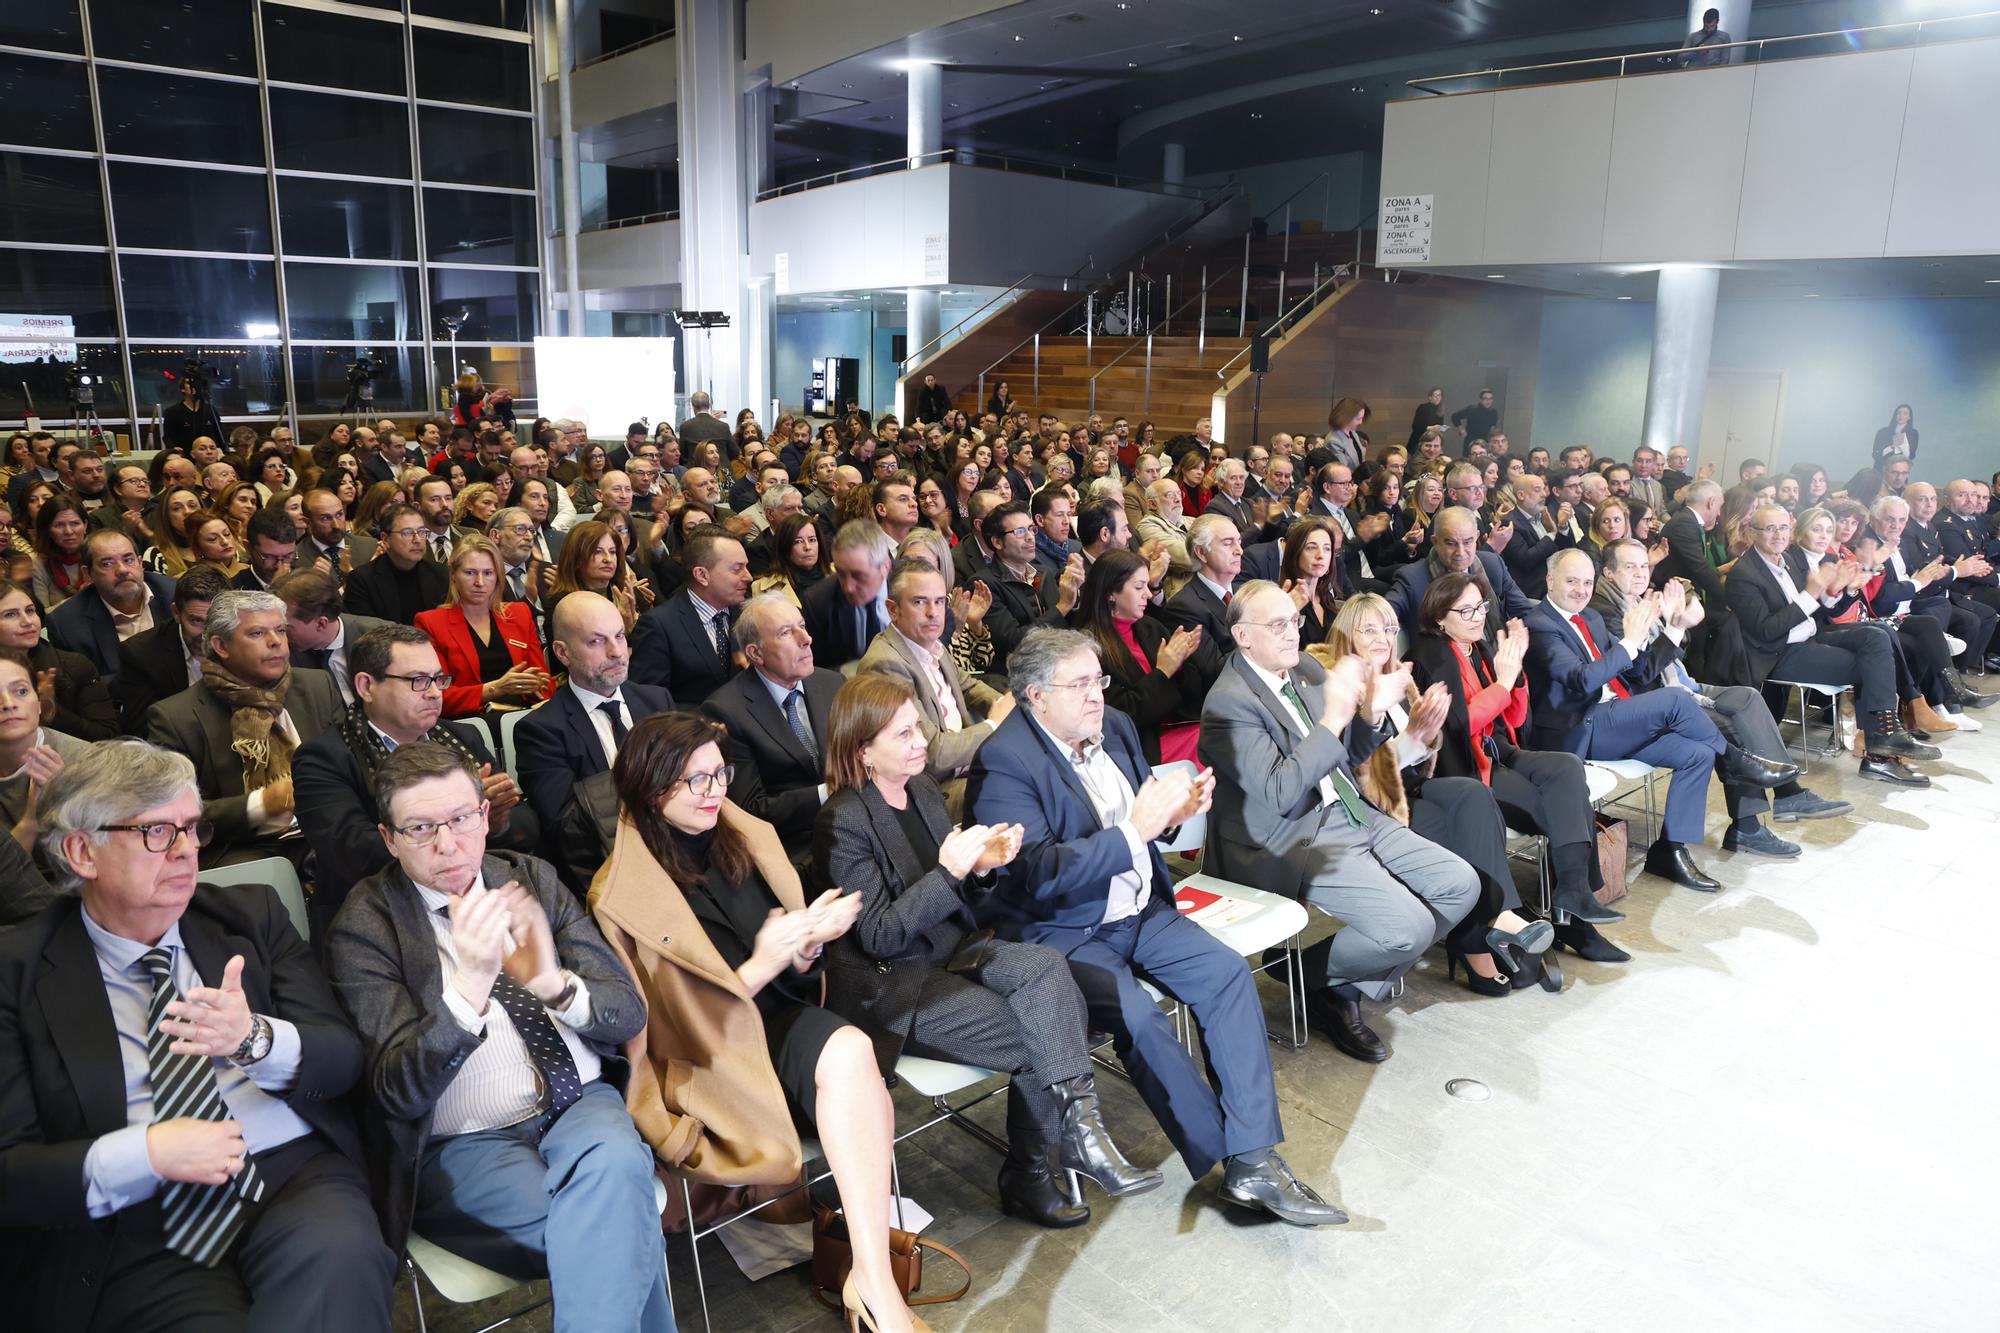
(1084, 1147)
(1890, 737)
(1028, 1189)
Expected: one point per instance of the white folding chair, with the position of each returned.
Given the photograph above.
(509, 724)
(462, 1282)
(1831, 695)
(938, 1080)
(1623, 774)
(275, 871)
(478, 724)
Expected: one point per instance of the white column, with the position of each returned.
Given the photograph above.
(1173, 163)
(924, 320)
(926, 110)
(572, 187)
(715, 195)
(1683, 326)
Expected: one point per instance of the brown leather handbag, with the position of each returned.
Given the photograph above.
(833, 1257)
(1611, 853)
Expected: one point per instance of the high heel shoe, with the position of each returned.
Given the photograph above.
(1533, 938)
(858, 1315)
(1084, 1148)
(1478, 985)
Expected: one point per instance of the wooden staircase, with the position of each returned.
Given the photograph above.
(1183, 379)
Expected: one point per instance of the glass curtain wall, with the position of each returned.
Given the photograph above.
(273, 188)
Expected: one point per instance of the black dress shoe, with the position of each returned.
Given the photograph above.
(1339, 1017)
(1890, 769)
(1803, 804)
(1030, 1191)
(1583, 940)
(1670, 860)
(1756, 770)
(1760, 841)
(1902, 743)
(1270, 1185)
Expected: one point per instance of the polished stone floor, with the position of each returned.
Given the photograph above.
(1778, 1116)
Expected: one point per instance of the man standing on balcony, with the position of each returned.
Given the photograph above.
(1705, 45)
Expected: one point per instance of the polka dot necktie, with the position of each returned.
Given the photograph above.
(560, 1082)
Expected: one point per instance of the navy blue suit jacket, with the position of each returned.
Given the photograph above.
(829, 618)
(556, 747)
(670, 649)
(83, 623)
(1054, 892)
(1406, 594)
(1564, 685)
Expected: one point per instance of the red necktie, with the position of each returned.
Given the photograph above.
(1595, 656)
(1225, 599)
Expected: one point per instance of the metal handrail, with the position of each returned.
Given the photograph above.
(1338, 275)
(1915, 27)
(1014, 289)
(603, 56)
(966, 157)
(669, 215)
(1325, 175)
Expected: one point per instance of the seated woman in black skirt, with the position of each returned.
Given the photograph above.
(917, 974)
(1500, 948)
(1540, 791)
(713, 886)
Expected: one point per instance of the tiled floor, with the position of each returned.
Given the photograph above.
(1778, 1116)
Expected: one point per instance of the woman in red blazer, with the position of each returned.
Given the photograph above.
(487, 644)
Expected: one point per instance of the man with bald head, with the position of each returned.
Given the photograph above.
(1539, 532)
(698, 483)
(1456, 549)
(1968, 588)
(576, 733)
(1961, 525)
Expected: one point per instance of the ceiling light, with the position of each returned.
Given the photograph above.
(1992, 281)
(1811, 296)
(1235, 39)
(1131, 64)
(1496, 275)
(1019, 38)
(1123, 5)
(1376, 12)
(1624, 298)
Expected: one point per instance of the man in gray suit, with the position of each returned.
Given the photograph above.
(240, 724)
(957, 712)
(1282, 734)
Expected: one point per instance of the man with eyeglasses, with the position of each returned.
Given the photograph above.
(399, 686)
(176, 1135)
(1022, 597)
(1334, 496)
(1457, 549)
(1283, 734)
(242, 723)
(123, 601)
(131, 495)
(493, 1011)
(1089, 881)
(403, 579)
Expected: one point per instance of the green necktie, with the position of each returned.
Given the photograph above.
(1343, 786)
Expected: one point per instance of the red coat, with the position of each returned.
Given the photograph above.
(459, 651)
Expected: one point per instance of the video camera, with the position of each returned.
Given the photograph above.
(82, 386)
(361, 379)
(195, 377)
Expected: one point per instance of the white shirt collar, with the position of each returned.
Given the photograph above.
(435, 901)
(592, 702)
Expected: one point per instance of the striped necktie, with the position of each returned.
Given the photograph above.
(198, 1222)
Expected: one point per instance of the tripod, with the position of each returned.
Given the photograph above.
(84, 422)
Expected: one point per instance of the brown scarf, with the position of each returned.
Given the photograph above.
(254, 733)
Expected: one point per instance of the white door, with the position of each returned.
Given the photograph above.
(1739, 420)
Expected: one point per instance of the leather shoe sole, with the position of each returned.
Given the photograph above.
(1892, 772)
(1687, 876)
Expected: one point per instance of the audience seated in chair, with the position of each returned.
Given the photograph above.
(399, 688)
(73, 698)
(1283, 734)
(242, 722)
(166, 659)
(490, 646)
(321, 632)
(1159, 672)
(124, 599)
(1090, 882)
(1455, 549)
(776, 714)
(402, 581)
(917, 974)
(212, 1177)
(844, 613)
(492, 1013)
(682, 645)
(702, 905)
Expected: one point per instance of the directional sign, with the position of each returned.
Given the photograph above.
(1403, 230)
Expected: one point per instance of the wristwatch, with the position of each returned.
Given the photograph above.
(563, 998)
(257, 1045)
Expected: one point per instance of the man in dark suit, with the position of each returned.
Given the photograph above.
(576, 733)
(776, 713)
(701, 425)
(1089, 882)
(1455, 549)
(1687, 543)
(166, 659)
(124, 599)
(202, 1178)
(402, 580)
(1333, 494)
(1955, 600)
(320, 633)
(240, 724)
(1774, 595)
(1538, 534)
(271, 541)
(1215, 548)
(1022, 598)
(1229, 501)
(387, 460)
(682, 645)
(328, 544)
(1594, 695)
(396, 677)
(933, 402)
(844, 613)
(493, 1011)
(1962, 529)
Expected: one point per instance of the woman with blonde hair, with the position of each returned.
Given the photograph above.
(368, 511)
(169, 554)
(475, 506)
(239, 500)
(487, 644)
(212, 540)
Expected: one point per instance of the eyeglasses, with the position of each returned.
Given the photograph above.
(702, 784)
(1015, 532)
(162, 836)
(422, 682)
(410, 532)
(1468, 613)
(424, 833)
(1371, 632)
(1775, 527)
(1088, 683)
(1284, 624)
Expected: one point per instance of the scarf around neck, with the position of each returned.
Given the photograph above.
(254, 734)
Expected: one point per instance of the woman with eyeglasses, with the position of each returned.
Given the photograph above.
(488, 644)
(73, 696)
(1539, 791)
(30, 753)
(701, 902)
(920, 977)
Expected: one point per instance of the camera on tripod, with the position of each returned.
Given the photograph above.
(82, 386)
(361, 379)
(195, 377)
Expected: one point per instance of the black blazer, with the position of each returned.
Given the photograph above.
(670, 649)
(1152, 700)
(1527, 556)
(156, 669)
(372, 590)
(195, 723)
(830, 620)
(556, 746)
(1763, 612)
(1434, 659)
(338, 816)
(1196, 604)
(776, 779)
(83, 704)
(62, 1085)
(83, 624)
(1687, 558)
(913, 914)
(383, 957)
